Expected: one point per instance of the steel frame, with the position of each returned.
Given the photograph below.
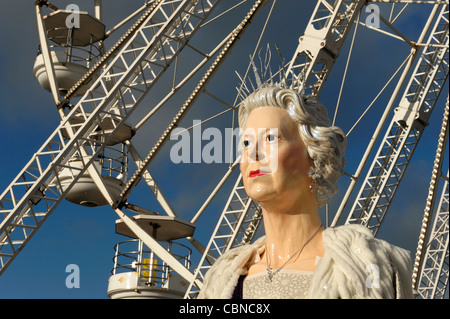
(321, 43)
(135, 65)
(405, 129)
(431, 265)
(433, 278)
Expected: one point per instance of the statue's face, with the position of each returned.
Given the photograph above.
(275, 161)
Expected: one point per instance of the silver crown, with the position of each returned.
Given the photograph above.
(264, 77)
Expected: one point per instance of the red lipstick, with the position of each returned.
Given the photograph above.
(257, 173)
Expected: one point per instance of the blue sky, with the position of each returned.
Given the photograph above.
(86, 237)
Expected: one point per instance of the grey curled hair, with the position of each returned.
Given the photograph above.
(326, 144)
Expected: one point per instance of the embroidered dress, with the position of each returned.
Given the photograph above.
(286, 284)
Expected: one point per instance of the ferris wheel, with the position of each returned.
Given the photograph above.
(174, 53)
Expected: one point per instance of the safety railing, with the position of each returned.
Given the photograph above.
(133, 256)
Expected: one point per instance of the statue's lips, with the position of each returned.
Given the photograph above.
(257, 173)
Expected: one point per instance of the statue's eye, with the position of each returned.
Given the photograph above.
(246, 143)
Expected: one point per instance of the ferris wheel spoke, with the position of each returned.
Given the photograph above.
(404, 131)
(316, 54)
(151, 182)
(430, 272)
(177, 86)
(97, 105)
(366, 110)
(345, 71)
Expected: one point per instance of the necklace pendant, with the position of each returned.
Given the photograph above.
(269, 277)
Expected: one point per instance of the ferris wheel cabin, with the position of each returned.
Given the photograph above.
(138, 272)
(74, 48)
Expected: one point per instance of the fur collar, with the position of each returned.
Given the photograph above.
(355, 265)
